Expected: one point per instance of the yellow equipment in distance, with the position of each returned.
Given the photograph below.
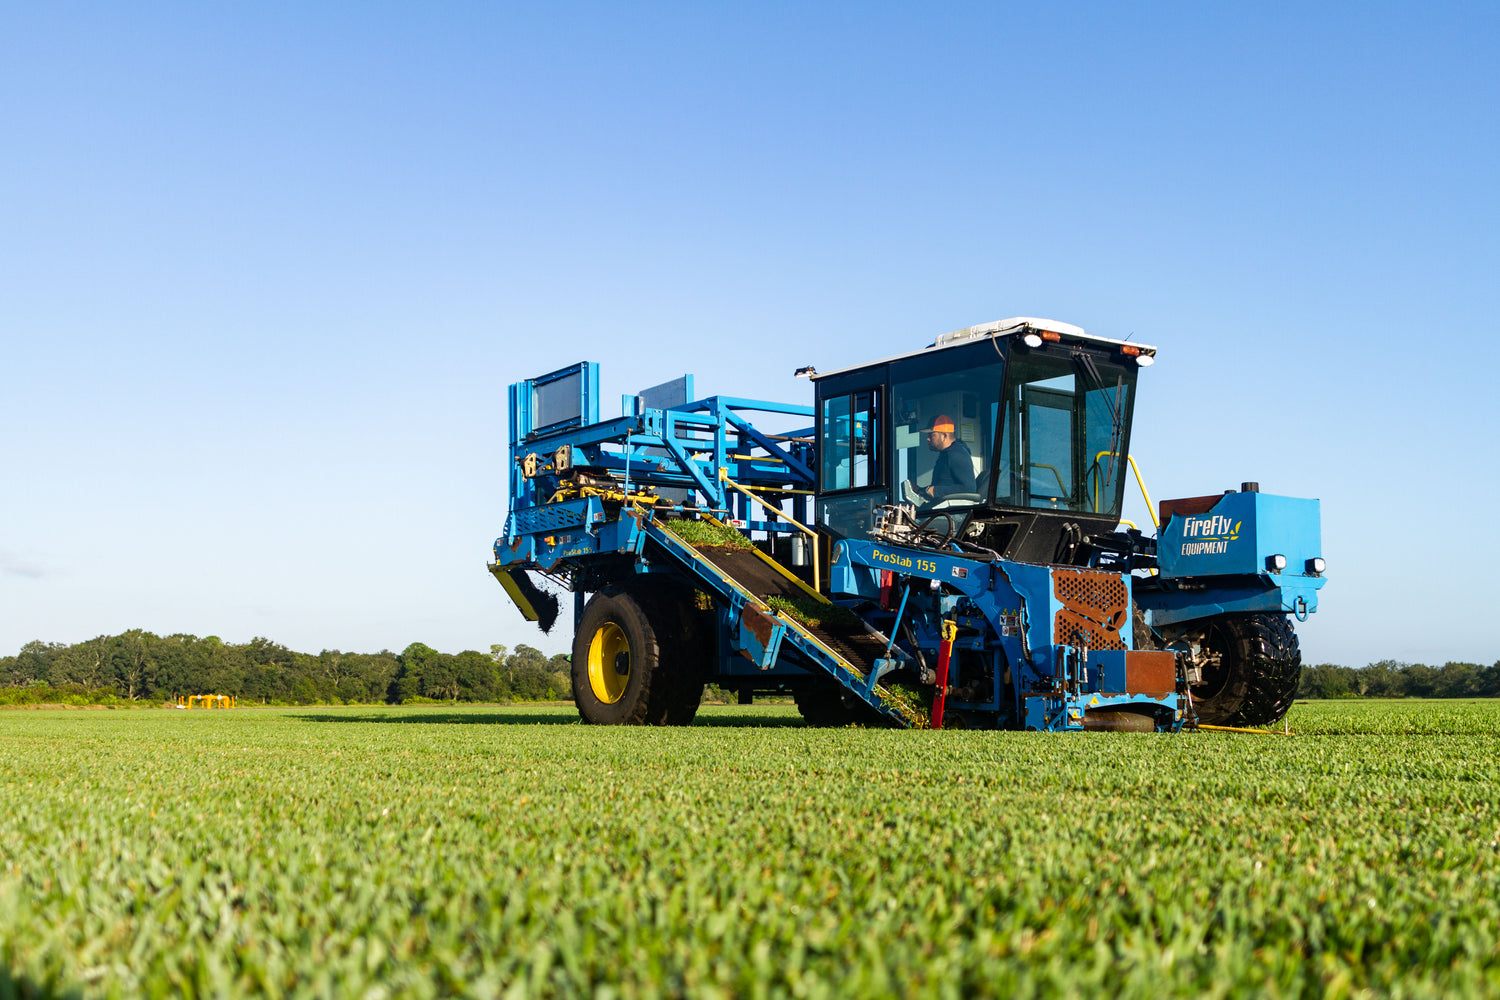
(208, 701)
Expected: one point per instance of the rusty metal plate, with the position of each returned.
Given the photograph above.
(1095, 606)
(1150, 672)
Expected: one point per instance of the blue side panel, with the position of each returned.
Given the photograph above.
(1107, 670)
(1032, 586)
(1227, 554)
(1239, 534)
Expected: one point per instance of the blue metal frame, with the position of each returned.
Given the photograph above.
(679, 447)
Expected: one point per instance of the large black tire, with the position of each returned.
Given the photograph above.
(684, 636)
(823, 703)
(1259, 668)
(617, 675)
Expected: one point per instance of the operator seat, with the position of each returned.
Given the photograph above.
(957, 500)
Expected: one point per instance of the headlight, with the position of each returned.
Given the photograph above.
(1276, 563)
(1316, 565)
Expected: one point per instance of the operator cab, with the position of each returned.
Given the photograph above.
(1011, 435)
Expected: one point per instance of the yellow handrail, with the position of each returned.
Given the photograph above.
(1139, 481)
(1150, 507)
(810, 533)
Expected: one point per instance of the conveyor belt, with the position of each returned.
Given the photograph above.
(746, 571)
(752, 572)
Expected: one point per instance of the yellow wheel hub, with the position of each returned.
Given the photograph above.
(609, 663)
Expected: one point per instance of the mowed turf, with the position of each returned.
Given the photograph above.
(414, 852)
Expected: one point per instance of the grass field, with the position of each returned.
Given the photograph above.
(412, 852)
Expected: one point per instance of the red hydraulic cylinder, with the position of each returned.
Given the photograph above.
(945, 652)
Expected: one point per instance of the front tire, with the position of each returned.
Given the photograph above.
(1259, 668)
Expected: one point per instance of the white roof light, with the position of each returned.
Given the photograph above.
(1001, 326)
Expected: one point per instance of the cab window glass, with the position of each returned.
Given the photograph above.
(944, 433)
(1066, 428)
(849, 441)
(833, 444)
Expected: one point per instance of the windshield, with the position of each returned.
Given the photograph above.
(944, 435)
(1067, 427)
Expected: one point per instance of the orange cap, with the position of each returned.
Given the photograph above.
(941, 422)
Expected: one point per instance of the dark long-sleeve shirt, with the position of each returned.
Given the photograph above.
(954, 471)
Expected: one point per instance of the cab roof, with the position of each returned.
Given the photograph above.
(1013, 327)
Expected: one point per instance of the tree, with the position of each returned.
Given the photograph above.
(1327, 680)
(476, 675)
(223, 666)
(135, 669)
(439, 679)
(1383, 679)
(86, 664)
(530, 678)
(1420, 680)
(1457, 680)
(179, 666)
(561, 666)
(94, 656)
(341, 673)
(412, 664)
(377, 671)
(33, 664)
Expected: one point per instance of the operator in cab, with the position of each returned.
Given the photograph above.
(954, 470)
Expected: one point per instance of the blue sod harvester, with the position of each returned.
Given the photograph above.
(942, 547)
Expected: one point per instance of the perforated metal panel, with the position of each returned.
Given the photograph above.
(549, 518)
(1094, 607)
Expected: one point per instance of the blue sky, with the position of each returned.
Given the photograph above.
(266, 270)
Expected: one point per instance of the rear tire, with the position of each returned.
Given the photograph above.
(1260, 666)
(683, 635)
(617, 672)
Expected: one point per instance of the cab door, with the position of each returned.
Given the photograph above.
(852, 477)
(1047, 438)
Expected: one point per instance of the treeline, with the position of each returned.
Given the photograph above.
(137, 666)
(1389, 679)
